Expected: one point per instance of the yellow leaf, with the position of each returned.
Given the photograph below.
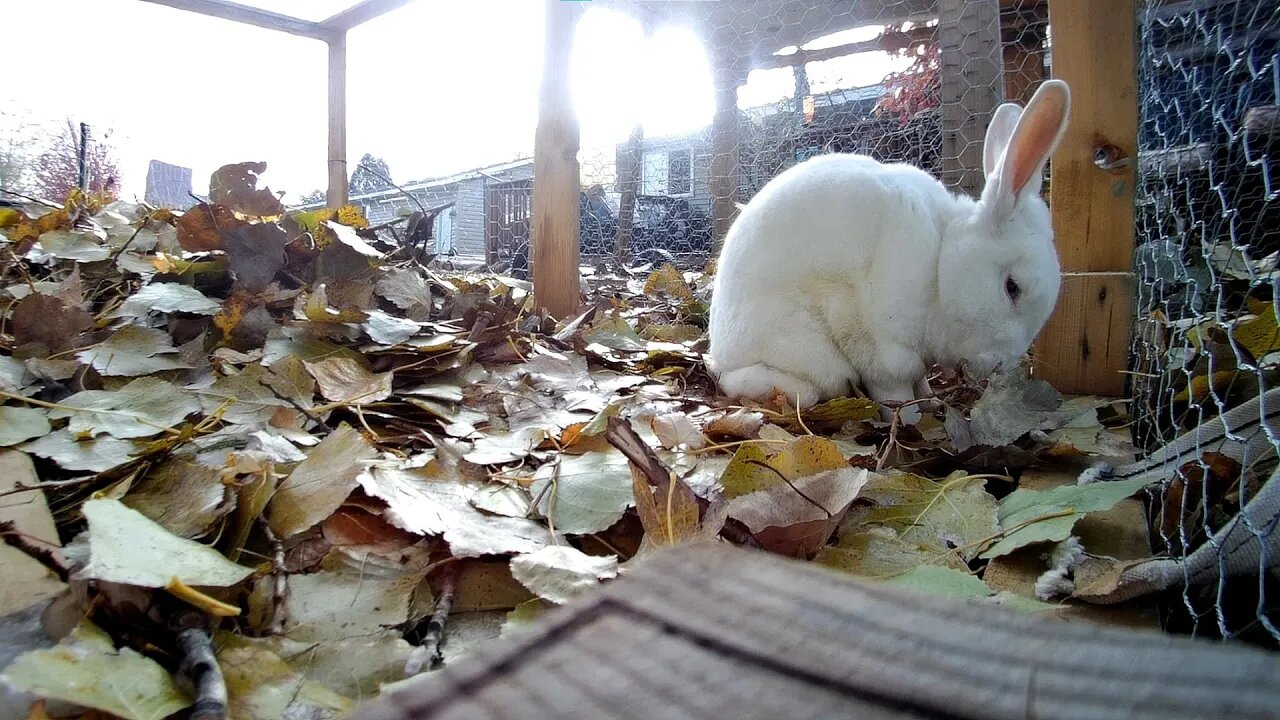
(669, 512)
(807, 455)
(1259, 336)
(353, 216)
(1199, 388)
(667, 279)
(750, 470)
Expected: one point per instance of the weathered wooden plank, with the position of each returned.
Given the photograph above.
(556, 222)
(725, 172)
(337, 194)
(1084, 348)
(250, 16)
(716, 631)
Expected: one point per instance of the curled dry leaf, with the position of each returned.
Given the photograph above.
(797, 519)
(344, 380)
(560, 573)
(200, 228)
(236, 187)
(255, 253)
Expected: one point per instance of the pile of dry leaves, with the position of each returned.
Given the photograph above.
(264, 461)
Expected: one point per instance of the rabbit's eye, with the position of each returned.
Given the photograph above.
(1011, 287)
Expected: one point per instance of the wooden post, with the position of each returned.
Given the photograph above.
(724, 173)
(337, 196)
(555, 171)
(1085, 346)
(629, 186)
(969, 45)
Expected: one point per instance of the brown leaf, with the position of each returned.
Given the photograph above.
(669, 512)
(319, 485)
(236, 186)
(344, 380)
(797, 519)
(45, 320)
(255, 254)
(200, 228)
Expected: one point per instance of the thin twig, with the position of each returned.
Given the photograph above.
(784, 479)
(276, 626)
(18, 541)
(427, 655)
(29, 198)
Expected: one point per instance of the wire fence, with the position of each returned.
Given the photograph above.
(1208, 234)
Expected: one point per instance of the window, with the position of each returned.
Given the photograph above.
(666, 172)
(679, 172)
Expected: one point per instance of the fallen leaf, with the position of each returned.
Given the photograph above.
(143, 408)
(954, 513)
(667, 279)
(347, 236)
(441, 505)
(18, 424)
(255, 253)
(87, 669)
(743, 424)
(1012, 405)
(585, 493)
(262, 686)
(127, 547)
(387, 329)
(345, 381)
(329, 605)
(200, 228)
(182, 497)
(407, 290)
(751, 470)
(616, 333)
(167, 298)
(560, 573)
(676, 430)
(878, 553)
(133, 350)
(669, 512)
(73, 453)
(27, 582)
(236, 187)
(951, 582)
(74, 245)
(797, 519)
(1028, 516)
(48, 321)
(353, 667)
(319, 484)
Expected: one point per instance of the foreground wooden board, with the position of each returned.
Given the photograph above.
(720, 632)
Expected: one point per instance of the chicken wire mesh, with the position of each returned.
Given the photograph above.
(1207, 239)
(902, 80)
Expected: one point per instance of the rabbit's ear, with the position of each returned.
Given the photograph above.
(1034, 139)
(1003, 121)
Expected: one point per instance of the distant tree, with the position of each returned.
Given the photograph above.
(55, 169)
(919, 86)
(16, 143)
(371, 175)
(315, 196)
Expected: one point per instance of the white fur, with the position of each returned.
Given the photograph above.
(846, 272)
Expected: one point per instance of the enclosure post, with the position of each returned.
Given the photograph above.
(972, 86)
(556, 176)
(629, 186)
(1085, 346)
(337, 195)
(724, 180)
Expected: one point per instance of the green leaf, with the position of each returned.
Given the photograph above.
(584, 493)
(133, 350)
(560, 573)
(86, 669)
(1049, 515)
(878, 553)
(167, 298)
(942, 581)
(127, 547)
(953, 513)
(143, 408)
(18, 424)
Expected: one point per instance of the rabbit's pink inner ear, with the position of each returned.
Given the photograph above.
(1037, 136)
(1003, 122)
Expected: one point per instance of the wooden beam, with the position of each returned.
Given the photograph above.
(337, 195)
(801, 57)
(969, 45)
(361, 13)
(1092, 207)
(250, 16)
(557, 179)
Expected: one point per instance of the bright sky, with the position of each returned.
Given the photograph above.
(427, 92)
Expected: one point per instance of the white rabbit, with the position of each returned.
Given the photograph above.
(845, 272)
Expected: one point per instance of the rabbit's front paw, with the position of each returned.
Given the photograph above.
(760, 381)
